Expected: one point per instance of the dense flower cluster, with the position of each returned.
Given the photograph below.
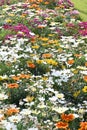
(43, 66)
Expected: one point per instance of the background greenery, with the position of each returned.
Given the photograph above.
(81, 6)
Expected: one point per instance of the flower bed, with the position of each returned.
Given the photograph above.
(43, 67)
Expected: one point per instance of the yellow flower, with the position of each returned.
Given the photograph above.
(75, 71)
(51, 62)
(8, 20)
(48, 18)
(44, 78)
(54, 43)
(20, 33)
(3, 78)
(39, 61)
(11, 15)
(51, 35)
(44, 39)
(63, 66)
(35, 47)
(60, 50)
(22, 16)
(76, 93)
(84, 89)
(44, 44)
(29, 98)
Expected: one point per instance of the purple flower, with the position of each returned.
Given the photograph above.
(24, 29)
(66, 3)
(20, 35)
(13, 7)
(4, 1)
(24, 5)
(74, 12)
(36, 21)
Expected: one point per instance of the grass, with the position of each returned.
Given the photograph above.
(81, 6)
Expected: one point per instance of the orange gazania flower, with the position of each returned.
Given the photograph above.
(31, 1)
(70, 61)
(68, 117)
(15, 77)
(31, 65)
(47, 55)
(41, 26)
(2, 118)
(85, 78)
(24, 14)
(86, 64)
(39, 1)
(62, 125)
(33, 39)
(24, 76)
(46, 3)
(13, 85)
(12, 111)
(34, 6)
(83, 126)
(77, 55)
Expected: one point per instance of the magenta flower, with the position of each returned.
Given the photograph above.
(83, 25)
(24, 29)
(7, 26)
(83, 28)
(83, 32)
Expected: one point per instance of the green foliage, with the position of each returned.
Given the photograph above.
(4, 69)
(17, 94)
(3, 33)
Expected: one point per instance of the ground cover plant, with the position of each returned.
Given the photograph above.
(43, 66)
